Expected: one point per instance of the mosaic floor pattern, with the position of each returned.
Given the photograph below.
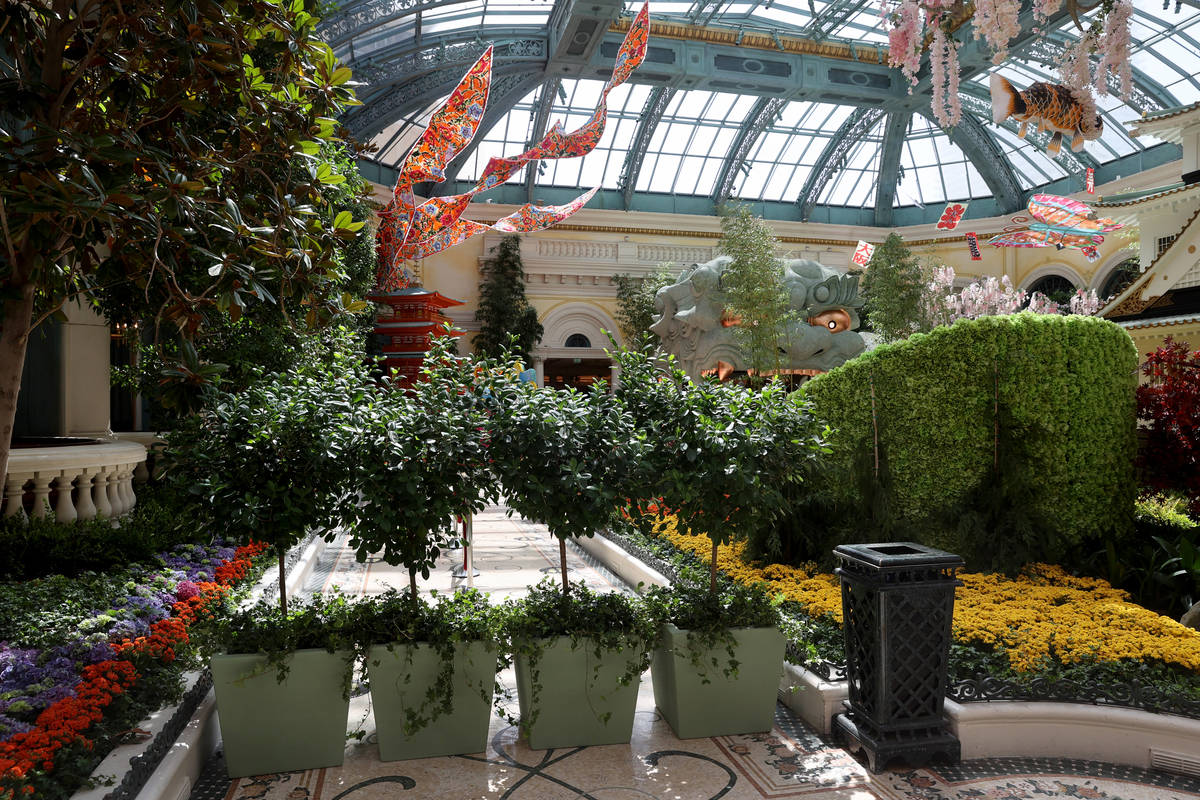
(789, 762)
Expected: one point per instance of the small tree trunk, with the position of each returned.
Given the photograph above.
(412, 582)
(14, 335)
(562, 563)
(282, 582)
(712, 569)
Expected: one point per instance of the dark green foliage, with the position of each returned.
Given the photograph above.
(39, 547)
(418, 460)
(1159, 565)
(893, 286)
(503, 310)
(724, 456)
(397, 620)
(1060, 388)
(635, 302)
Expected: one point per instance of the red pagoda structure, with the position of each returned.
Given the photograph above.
(406, 321)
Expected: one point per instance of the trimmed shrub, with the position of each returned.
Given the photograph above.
(1033, 412)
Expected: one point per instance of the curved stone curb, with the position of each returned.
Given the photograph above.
(997, 729)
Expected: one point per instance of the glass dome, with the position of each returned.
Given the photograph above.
(786, 104)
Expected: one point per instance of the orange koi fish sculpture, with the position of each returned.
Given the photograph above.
(1050, 107)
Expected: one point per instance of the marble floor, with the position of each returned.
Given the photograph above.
(789, 762)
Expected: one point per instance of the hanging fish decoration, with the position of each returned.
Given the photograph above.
(1050, 106)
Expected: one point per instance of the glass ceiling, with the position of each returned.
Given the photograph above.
(697, 135)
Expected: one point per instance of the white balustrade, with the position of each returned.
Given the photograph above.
(86, 481)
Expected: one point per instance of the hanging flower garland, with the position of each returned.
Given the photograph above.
(997, 22)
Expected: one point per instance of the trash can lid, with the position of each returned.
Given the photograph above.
(897, 555)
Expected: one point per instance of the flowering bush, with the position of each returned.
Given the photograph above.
(997, 23)
(942, 305)
(50, 697)
(1042, 616)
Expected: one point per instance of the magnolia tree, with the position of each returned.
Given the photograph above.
(943, 305)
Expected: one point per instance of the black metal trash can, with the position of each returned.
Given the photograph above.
(897, 605)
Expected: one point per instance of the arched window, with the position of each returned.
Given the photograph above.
(1119, 279)
(1055, 287)
(578, 340)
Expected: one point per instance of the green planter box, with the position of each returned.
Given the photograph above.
(401, 677)
(577, 690)
(744, 703)
(282, 727)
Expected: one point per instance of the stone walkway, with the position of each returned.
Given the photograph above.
(789, 762)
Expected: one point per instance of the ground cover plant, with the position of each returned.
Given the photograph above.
(82, 659)
(1042, 624)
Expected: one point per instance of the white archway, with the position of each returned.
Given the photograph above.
(578, 318)
(1057, 269)
(1101, 275)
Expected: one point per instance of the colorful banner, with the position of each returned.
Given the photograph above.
(951, 216)
(973, 246)
(862, 254)
(406, 232)
(1091, 181)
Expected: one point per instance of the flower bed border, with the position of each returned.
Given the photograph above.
(981, 688)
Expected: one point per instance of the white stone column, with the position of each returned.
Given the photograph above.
(539, 370)
(84, 506)
(614, 381)
(100, 493)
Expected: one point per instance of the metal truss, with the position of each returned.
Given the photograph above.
(354, 19)
(540, 123)
(889, 166)
(831, 17)
(978, 145)
(766, 110)
(652, 113)
(833, 157)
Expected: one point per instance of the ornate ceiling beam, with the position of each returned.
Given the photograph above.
(889, 166)
(977, 144)
(766, 110)
(355, 19)
(652, 113)
(540, 122)
(856, 126)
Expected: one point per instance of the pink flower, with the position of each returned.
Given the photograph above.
(186, 590)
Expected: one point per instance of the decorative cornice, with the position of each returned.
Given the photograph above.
(751, 40)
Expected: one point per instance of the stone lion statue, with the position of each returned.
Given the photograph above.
(692, 325)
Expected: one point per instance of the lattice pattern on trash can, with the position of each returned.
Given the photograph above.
(897, 603)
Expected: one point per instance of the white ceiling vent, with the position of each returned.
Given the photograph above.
(1175, 762)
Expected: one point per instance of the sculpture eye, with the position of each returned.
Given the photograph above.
(835, 319)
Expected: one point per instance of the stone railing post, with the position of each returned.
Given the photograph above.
(101, 474)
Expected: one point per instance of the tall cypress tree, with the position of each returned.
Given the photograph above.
(892, 287)
(503, 309)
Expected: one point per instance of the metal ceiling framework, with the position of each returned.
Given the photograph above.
(696, 52)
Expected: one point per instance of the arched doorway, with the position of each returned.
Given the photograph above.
(572, 351)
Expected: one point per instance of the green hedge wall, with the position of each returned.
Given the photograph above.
(1065, 391)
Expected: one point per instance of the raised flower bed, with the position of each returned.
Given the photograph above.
(73, 677)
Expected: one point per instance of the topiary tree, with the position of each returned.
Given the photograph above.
(273, 461)
(171, 146)
(894, 287)
(503, 310)
(565, 459)
(724, 457)
(421, 459)
(753, 286)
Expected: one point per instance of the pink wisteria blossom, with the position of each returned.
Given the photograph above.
(996, 21)
(1113, 49)
(942, 304)
(943, 57)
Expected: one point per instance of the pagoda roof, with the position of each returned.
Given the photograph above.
(1166, 124)
(415, 293)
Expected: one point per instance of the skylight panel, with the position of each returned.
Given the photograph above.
(662, 176)
(865, 26)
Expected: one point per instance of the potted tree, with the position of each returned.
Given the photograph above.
(420, 460)
(722, 459)
(270, 463)
(562, 458)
